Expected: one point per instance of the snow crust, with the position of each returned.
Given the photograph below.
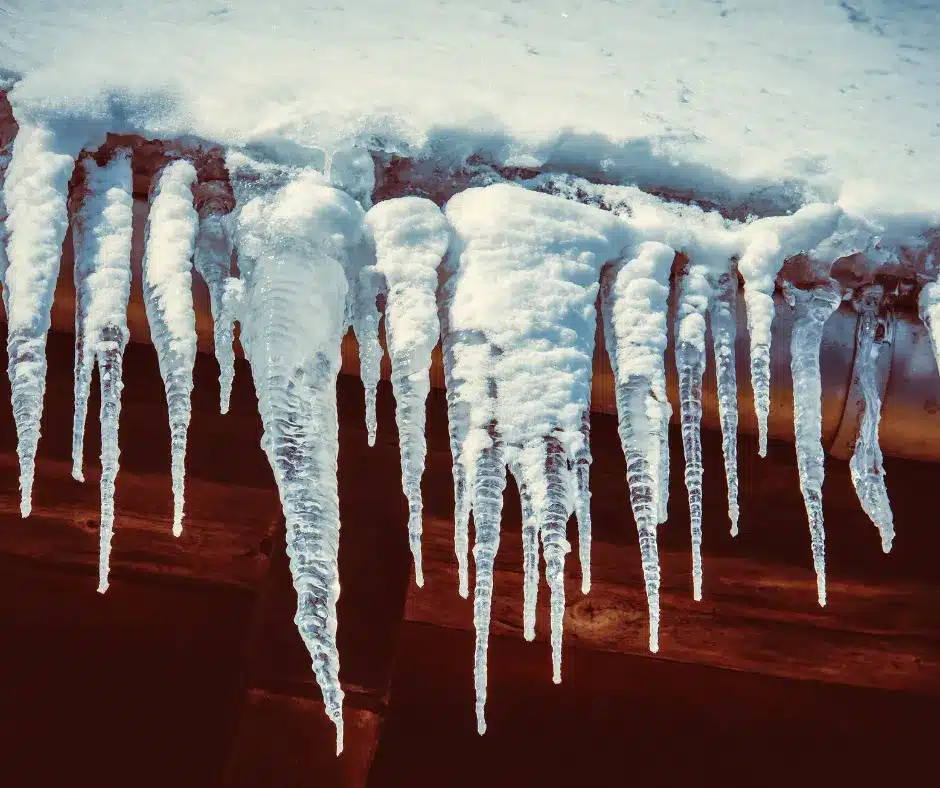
(758, 104)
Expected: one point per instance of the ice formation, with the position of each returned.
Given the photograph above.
(411, 239)
(768, 243)
(812, 308)
(297, 240)
(723, 321)
(101, 232)
(506, 277)
(171, 233)
(35, 193)
(634, 295)
(866, 466)
(212, 258)
(524, 271)
(694, 292)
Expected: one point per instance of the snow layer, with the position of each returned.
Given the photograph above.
(809, 110)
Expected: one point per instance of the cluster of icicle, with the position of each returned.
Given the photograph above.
(506, 277)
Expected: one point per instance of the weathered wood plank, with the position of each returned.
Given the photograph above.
(226, 534)
(756, 617)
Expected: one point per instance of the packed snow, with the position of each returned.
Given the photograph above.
(652, 172)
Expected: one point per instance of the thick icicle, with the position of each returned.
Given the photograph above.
(167, 268)
(812, 309)
(634, 297)
(582, 501)
(546, 253)
(101, 230)
(693, 294)
(866, 465)
(723, 319)
(212, 258)
(767, 245)
(411, 238)
(35, 194)
(294, 244)
(369, 286)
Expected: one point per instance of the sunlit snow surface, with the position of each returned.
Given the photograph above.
(827, 126)
(714, 96)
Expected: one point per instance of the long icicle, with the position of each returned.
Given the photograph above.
(369, 287)
(294, 244)
(634, 297)
(458, 425)
(866, 464)
(530, 557)
(35, 193)
(582, 501)
(167, 268)
(812, 309)
(102, 230)
(723, 319)
(693, 295)
(411, 238)
(489, 482)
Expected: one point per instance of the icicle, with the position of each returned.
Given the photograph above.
(634, 300)
(812, 309)
(295, 242)
(35, 195)
(411, 238)
(370, 285)
(101, 230)
(582, 501)
(167, 268)
(722, 315)
(693, 295)
(929, 307)
(458, 420)
(547, 479)
(212, 258)
(530, 558)
(767, 245)
(533, 336)
(866, 466)
(489, 482)
(4, 262)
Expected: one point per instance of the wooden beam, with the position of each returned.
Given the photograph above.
(760, 613)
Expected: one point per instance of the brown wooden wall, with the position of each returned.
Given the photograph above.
(188, 671)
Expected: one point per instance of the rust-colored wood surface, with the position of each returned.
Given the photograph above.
(760, 614)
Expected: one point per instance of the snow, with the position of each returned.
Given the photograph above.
(102, 229)
(754, 103)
